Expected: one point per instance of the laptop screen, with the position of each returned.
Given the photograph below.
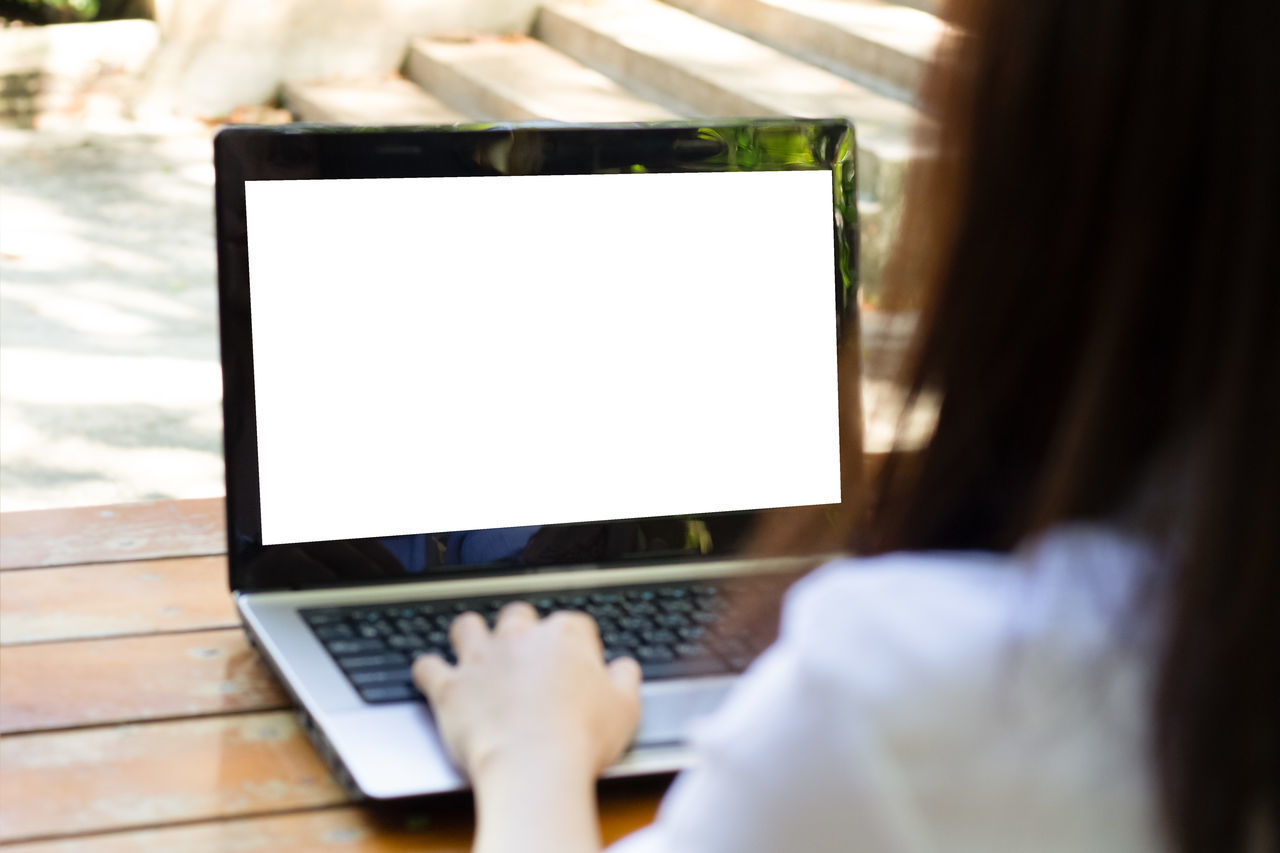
(453, 371)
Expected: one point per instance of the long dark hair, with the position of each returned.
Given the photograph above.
(1093, 247)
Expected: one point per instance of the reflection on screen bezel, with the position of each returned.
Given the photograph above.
(293, 152)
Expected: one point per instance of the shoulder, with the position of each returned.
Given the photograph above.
(917, 609)
(940, 607)
(929, 641)
(1010, 690)
(982, 699)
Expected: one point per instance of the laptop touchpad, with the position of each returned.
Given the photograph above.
(671, 706)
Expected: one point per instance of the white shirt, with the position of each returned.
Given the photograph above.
(968, 703)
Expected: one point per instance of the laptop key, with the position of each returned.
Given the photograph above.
(640, 608)
(691, 633)
(390, 693)
(658, 637)
(355, 647)
(606, 611)
(315, 618)
(635, 623)
(654, 654)
(672, 620)
(350, 662)
(684, 668)
(691, 650)
(369, 677)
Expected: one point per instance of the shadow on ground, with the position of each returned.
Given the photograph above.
(109, 377)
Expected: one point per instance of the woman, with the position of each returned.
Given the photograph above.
(1075, 642)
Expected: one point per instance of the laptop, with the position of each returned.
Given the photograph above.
(570, 364)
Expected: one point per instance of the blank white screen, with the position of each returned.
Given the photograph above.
(439, 354)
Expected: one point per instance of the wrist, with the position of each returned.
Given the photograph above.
(535, 798)
(498, 764)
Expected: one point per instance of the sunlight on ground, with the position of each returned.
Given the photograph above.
(89, 428)
(110, 384)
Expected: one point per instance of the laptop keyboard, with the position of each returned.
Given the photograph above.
(674, 630)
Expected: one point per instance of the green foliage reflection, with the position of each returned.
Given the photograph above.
(803, 145)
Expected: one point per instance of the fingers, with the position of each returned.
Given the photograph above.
(468, 633)
(625, 674)
(576, 624)
(515, 616)
(432, 674)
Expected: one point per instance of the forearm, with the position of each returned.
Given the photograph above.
(536, 804)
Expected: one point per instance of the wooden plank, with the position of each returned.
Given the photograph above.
(137, 776)
(425, 829)
(114, 599)
(121, 777)
(349, 829)
(102, 534)
(93, 682)
(428, 829)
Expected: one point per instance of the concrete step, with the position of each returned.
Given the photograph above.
(697, 68)
(508, 78)
(885, 46)
(385, 100)
(63, 75)
(75, 51)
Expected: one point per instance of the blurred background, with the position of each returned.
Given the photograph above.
(109, 376)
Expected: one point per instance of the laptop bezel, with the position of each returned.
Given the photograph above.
(311, 151)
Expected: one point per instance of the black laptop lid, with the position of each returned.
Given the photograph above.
(514, 347)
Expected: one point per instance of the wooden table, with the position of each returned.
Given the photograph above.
(134, 716)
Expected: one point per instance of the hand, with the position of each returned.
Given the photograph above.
(531, 694)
